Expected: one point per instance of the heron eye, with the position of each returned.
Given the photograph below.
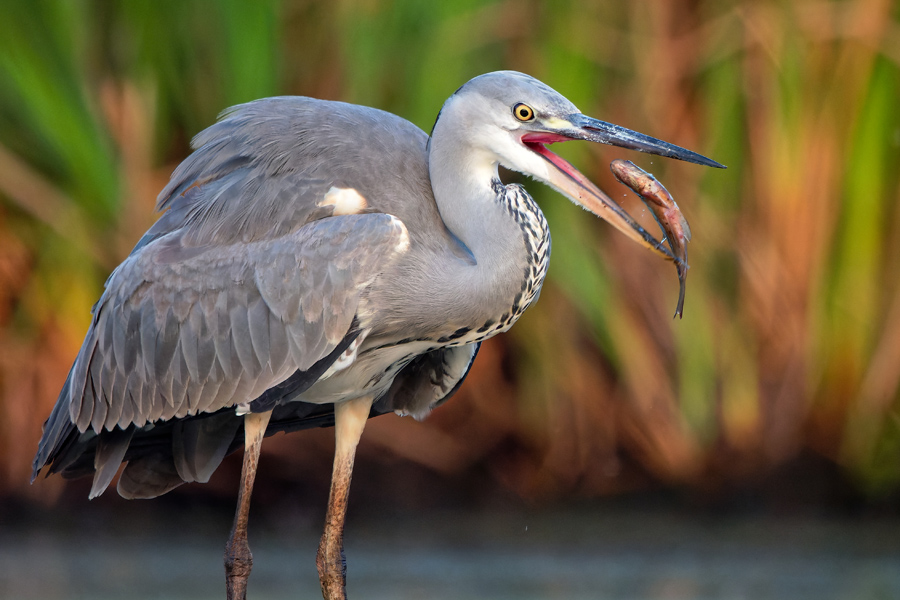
(523, 112)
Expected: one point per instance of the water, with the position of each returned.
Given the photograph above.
(440, 555)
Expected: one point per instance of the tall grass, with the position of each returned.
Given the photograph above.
(790, 343)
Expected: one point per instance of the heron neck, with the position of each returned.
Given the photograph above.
(470, 199)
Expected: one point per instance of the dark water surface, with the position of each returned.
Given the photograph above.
(458, 555)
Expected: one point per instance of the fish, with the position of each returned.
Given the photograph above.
(666, 212)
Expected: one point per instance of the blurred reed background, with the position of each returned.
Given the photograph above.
(788, 356)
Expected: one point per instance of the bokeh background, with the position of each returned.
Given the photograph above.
(778, 391)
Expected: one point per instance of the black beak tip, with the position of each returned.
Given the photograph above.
(710, 163)
(671, 151)
(679, 153)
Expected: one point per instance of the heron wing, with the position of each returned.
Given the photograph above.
(262, 170)
(245, 281)
(174, 338)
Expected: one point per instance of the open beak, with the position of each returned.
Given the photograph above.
(570, 182)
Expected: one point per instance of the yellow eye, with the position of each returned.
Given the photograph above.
(523, 112)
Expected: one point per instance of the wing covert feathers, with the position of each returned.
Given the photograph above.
(176, 338)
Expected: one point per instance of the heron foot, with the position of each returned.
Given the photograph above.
(238, 563)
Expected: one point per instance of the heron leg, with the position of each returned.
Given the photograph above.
(349, 420)
(238, 560)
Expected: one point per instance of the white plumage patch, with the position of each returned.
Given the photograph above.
(346, 201)
(403, 243)
(346, 358)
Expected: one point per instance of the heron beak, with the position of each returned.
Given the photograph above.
(571, 183)
(593, 130)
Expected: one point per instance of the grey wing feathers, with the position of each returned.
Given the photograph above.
(111, 450)
(170, 454)
(219, 328)
(174, 339)
(243, 281)
(260, 171)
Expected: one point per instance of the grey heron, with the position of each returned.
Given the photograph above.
(319, 263)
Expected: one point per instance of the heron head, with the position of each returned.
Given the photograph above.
(510, 118)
